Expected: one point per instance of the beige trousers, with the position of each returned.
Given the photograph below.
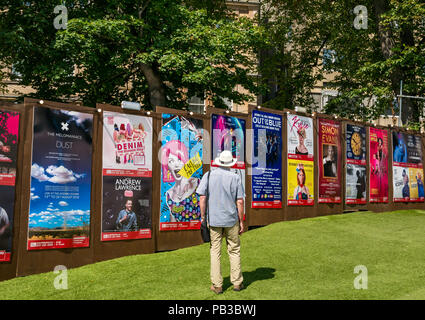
(234, 251)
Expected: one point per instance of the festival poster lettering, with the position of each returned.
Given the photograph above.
(300, 160)
(378, 159)
(9, 129)
(267, 155)
(127, 177)
(329, 161)
(407, 168)
(181, 172)
(60, 179)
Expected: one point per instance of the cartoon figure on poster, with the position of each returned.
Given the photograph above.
(301, 192)
(182, 149)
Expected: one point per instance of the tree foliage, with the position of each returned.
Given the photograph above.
(157, 52)
(369, 62)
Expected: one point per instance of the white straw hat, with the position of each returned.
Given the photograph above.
(225, 159)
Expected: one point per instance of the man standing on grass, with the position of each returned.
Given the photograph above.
(225, 211)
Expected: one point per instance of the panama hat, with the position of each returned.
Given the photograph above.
(225, 159)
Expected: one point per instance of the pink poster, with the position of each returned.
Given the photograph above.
(378, 155)
(9, 127)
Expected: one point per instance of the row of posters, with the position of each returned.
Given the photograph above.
(61, 168)
(9, 128)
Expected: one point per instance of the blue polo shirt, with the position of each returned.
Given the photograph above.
(224, 188)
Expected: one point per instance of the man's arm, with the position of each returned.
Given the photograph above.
(202, 206)
(240, 205)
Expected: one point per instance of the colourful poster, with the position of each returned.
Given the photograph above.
(182, 147)
(300, 182)
(300, 137)
(60, 179)
(127, 208)
(378, 159)
(407, 168)
(228, 133)
(127, 145)
(267, 160)
(330, 165)
(355, 139)
(9, 129)
(127, 177)
(300, 144)
(355, 174)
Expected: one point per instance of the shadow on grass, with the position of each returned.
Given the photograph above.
(252, 276)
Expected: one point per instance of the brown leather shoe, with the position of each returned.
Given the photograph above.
(216, 290)
(238, 288)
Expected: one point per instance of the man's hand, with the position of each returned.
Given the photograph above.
(241, 227)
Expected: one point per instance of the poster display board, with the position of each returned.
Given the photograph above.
(9, 131)
(300, 143)
(127, 177)
(330, 164)
(267, 160)
(355, 179)
(181, 170)
(378, 160)
(407, 168)
(59, 215)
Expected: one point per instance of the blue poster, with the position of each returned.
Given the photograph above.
(267, 160)
(60, 179)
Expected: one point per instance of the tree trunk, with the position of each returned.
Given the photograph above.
(156, 87)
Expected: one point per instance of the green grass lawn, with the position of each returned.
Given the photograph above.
(306, 259)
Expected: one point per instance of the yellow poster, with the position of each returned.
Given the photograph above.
(191, 166)
(416, 184)
(300, 182)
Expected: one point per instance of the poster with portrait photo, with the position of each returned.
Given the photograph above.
(59, 215)
(228, 133)
(300, 137)
(355, 181)
(401, 184)
(329, 161)
(416, 184)
(126, 208)
(181, 172)
(7, 201)
(378, 164)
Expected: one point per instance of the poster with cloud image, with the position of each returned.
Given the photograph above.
(59, 215)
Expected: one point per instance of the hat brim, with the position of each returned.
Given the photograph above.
(217, 162)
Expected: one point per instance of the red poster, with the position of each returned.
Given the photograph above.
(330, 164)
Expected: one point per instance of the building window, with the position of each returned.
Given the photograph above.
(196, 104)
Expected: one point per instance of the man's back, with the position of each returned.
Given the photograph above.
(225, 187)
